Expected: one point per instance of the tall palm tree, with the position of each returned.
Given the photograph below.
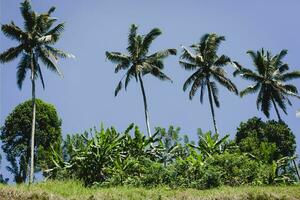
(269, 80)
(207, 66)
(138, 63)
(35, 42)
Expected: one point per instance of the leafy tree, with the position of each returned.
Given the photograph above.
(267, 141)
(207, 65)
(16, 136)
(138, 63)
(35, 43)
(269, 80)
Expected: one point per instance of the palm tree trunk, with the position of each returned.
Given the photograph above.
(33, 123)
(277, 112)
(296, 169)
(211, 105)
(145, 106)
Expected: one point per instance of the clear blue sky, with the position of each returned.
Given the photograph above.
(85, 96)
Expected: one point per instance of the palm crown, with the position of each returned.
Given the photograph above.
(138, 63)
(269, 76)
(34, 43)
(206, 64)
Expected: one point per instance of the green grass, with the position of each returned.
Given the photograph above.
(70, 190)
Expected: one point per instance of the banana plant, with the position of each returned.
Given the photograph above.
(209, 143)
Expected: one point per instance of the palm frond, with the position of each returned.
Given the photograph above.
(191, 79)
(187, 65)
(220, 77)
(59, 53)
(290, 76)
(202, 89)
(238, 68)
(55, 33)
(291, 88)
(116, 57)
(250, 89)
(281, 69)
(38, 70)
(118, 88)
(279, 99)
(22, 68)
(148, 39)
(279, 57)
(129, 74)
(28, 15)
(162, 54)
(222, 61)
(14, 32)
(11, 53)
(266, 102)
(132, 39)
(187, 55)
(195, 87)
(49, 60)
(215, 93)
(159, 74)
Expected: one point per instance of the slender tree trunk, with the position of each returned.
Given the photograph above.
(211, 105)
(32, 124)
(145, 106)
(297, 169)
(277, 111)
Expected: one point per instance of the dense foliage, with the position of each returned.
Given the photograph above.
(109, 158)
(16, 137)
(266, 141)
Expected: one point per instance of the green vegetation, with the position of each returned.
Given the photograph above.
(70, 190)
(35, 43)
(109, 158)
(16, 136)
(107, 164)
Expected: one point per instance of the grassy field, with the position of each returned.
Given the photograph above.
(75, 191)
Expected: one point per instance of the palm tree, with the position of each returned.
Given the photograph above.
(35, 42)
(138, 63)
(269, 76)
(207, 65)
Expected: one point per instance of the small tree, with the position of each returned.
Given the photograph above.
(16, 137)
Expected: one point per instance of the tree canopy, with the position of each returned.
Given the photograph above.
(16, 137)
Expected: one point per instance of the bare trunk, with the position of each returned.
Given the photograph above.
(32, 123)
(211, 105)
(297, 169)
(145, 106)
(277, 112)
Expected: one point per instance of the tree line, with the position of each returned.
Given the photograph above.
(40, 33)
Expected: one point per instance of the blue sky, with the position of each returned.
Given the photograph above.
(84, 97)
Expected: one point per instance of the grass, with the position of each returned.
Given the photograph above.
(70, 190)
